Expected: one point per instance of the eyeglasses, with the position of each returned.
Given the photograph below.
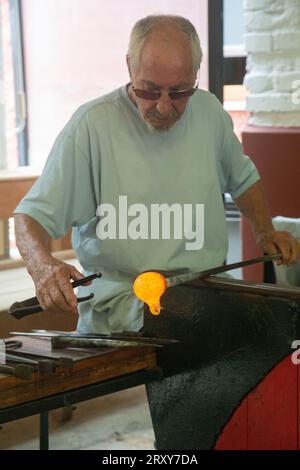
(155, 95)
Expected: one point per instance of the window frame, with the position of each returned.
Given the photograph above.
(21, 128)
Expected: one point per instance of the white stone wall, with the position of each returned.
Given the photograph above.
(273, 64)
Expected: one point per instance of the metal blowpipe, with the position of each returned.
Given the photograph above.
(173, 281)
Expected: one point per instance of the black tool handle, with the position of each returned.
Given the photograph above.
(84, 280)
(30, 306)
(19, 313)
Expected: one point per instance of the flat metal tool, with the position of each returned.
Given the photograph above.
(61, 361)
(115, 340)
(20, 371)
(12, 345)
(126, 336)
(29, 306)
(43, 366)
(60, 342)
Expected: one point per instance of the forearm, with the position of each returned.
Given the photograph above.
(33, 243)
(253, 205)
(50, 275)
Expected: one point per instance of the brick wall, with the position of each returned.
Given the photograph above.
(273, 64)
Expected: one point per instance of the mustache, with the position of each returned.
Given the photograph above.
(155, 114)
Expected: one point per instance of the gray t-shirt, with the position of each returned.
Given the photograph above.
(105, 151)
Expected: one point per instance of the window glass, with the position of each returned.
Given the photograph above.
(75, 51)
(8, 118)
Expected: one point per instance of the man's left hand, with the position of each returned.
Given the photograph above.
(284, 242)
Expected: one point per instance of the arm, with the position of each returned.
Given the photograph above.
(252, 204)
(50, 276)
(62, 197)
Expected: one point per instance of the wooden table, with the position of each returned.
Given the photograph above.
(228, 383)
(94, 373)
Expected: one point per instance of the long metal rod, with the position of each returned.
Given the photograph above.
(173, 281)
(22, 359)
(59, 342)
(109, 340)
(128, 336)
(91, 341)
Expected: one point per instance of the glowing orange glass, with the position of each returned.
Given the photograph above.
(149, 287)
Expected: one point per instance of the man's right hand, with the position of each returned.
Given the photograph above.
(53, 287)
(51, 276)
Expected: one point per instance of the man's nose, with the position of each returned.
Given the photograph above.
(164, 104)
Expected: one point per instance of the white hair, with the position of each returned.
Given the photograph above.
(144, 27)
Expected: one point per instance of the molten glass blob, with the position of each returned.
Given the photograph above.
(149, 287)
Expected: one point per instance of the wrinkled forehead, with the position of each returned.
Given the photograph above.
(166, 55)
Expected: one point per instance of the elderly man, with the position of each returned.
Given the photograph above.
(157, 142)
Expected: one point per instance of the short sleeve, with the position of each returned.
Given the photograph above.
(63, 196)
(237, 172)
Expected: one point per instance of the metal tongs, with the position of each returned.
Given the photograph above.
(30, 306)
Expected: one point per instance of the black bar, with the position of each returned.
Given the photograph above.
(234, 70)
(44, 430)
(215, 48)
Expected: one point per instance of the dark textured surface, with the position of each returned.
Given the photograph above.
(230, 341)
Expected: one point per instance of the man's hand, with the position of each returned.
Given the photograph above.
(50, 275)
(272, 242)
(53, 287)
(252, 203)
